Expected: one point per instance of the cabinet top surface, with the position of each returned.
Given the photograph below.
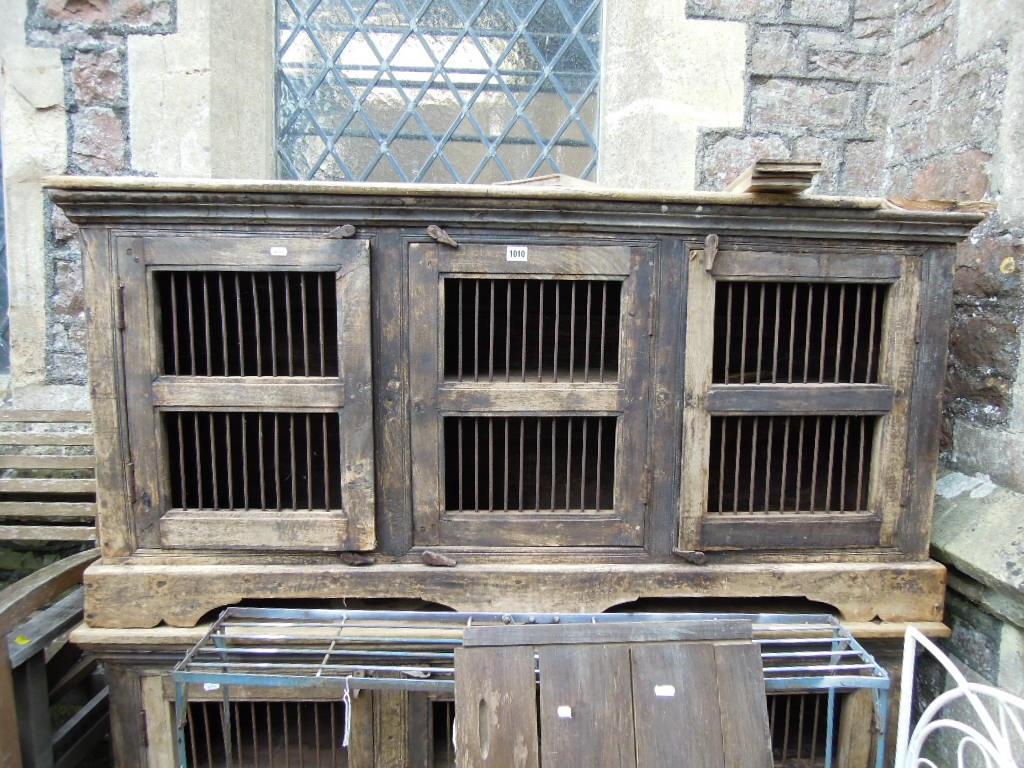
(123, 199)
(511, 191)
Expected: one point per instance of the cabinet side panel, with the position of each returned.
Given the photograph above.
(914, 528)
(113, 520)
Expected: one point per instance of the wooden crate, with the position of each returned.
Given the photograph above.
(725, 395)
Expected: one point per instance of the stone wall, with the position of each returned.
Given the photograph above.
(817, 88)
(91, 37)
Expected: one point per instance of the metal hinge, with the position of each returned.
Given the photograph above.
(143, 732)
(121, 324)
(647, 485)
(917, 326)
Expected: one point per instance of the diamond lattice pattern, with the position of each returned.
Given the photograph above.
(443, 91)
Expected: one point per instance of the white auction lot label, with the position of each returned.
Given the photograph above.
(517, 253)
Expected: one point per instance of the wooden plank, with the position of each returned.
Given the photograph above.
(34, 635)
(24, 597)
(8, 415)
(48, 510)
(46, 438)
(390, 729)
(700, 331)
(668, 352)
(741, 698)
(607, 632)
(897, 367)
(105, 378)
(913, 531)
(532, 399)
(496, 708)
(858, 266)
(800, 399)
(675, 706)
(562, 259)
(32, 461)
(425, 422)
(594, 683)
(77, 730)
(248, 393)
(245, 251)
(47, 533)
(558, 529)
(772, 531)
(10, 747)
(46, 485)
(314, 530)
(33, 702)
(150, 590)
(356, 371)
(855, 739)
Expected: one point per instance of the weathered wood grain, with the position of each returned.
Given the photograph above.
(688, 722)
(599, 729)
(496, 708)
(143, 595)
(624, 632)
(739, 399)
(741, 697)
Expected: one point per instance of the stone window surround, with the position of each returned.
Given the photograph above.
(201, 103)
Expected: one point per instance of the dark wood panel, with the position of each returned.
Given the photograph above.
(741, 698)
(800, 399)
(859, 266)
(790, 531)
(591, 686)
(676, 709)
(496, 708)
(610, 632)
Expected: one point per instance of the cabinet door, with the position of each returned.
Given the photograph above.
(247, 368)
(530, 367)
(798, 365)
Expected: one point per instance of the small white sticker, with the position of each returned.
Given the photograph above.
(211, 686)
(666, 691)
(565, 712)
(278, 250)
(517, 253)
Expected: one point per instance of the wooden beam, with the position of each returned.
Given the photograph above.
(739, 399)
(24, 597)
(47, 533)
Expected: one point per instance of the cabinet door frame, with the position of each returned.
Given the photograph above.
(151, 393)
(888, 399)
(432, 399)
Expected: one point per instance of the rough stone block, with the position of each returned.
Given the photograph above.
(825, 13)
(777, 52)
(874, 9)
(802, 104)
(985, 343)
(988, 268)
(962, 176)
(735, 10)
(847, 65)
(924, 55)
(864, 167)
(91, 13)
(878, 111)
(99, 144)
(725, 156)
(98, 78)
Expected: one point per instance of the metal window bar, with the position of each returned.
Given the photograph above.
(338, 650)
(413, 90)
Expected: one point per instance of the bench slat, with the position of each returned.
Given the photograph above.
(46, 485)
(71, 510)
(47, 462)
(34, 533)
(45, 438)
(34, 635)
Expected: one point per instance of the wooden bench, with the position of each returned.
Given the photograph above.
(40, 669)
(47, 477)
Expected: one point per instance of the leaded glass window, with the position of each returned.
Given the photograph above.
(464, 91)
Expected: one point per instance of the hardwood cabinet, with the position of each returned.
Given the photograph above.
(626, 394)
